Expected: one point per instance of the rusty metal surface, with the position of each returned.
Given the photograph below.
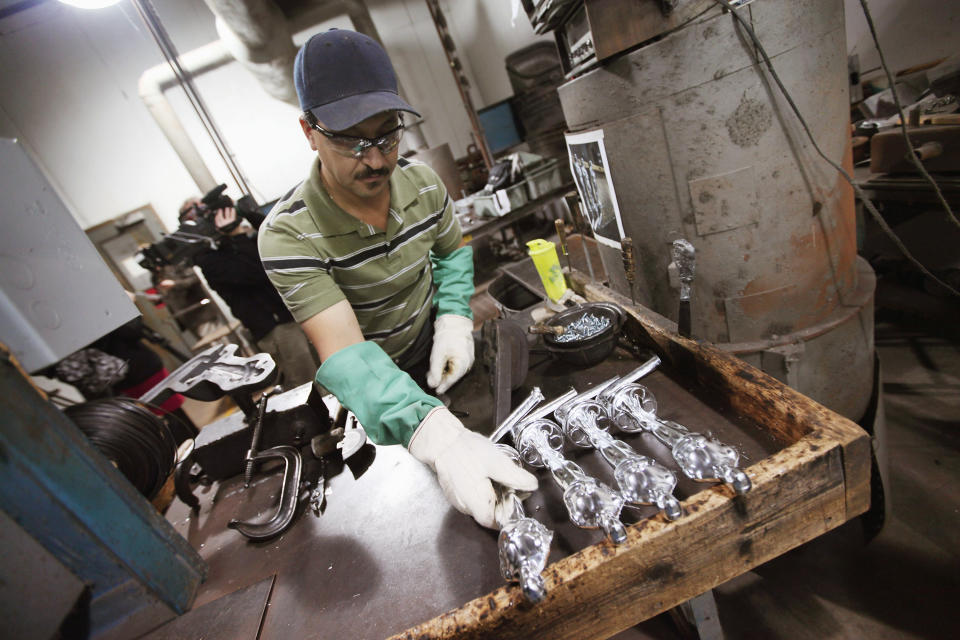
(831, 361)
(388, 551)
(725, 165)
(235, 616)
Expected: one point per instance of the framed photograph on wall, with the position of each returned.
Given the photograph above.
(591, 174)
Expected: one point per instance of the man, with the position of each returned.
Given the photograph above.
(356, 251)
(234, 271)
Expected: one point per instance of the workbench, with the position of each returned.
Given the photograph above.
(483, 227)
(388, 557)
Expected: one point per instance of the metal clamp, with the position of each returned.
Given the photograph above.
(289, 493)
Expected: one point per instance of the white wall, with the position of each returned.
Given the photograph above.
(68, 91)
(911, 32)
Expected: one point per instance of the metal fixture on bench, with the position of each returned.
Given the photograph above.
(590, 503)
(289, 492)
(524, 543)
(701, 458)
(641, 480)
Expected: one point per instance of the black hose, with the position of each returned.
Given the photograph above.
(135, 440)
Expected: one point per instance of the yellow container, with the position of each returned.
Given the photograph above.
(544, 254)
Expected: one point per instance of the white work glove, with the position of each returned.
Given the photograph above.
(452, 353)
(465, 463)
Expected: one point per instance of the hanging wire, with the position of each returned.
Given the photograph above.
(150, 18)
(903, 121)
(803, 123)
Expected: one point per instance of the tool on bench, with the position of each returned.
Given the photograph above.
(524, 543)
(289, 493)
(701, 457)
(277, 427)
(255, 441)
(684, 257)
(573, 204)
(544, 329)
(629, 265)
(562, 236)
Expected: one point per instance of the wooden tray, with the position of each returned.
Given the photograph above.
(815, 479)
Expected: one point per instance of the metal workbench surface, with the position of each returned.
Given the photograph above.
(388, 552)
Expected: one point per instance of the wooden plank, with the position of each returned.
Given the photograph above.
(798, 494)
(784, 412)
(618, 25)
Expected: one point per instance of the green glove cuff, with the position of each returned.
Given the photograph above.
(453, 275)
(386, 401)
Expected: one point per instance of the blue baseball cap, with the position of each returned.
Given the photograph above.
(343, 77)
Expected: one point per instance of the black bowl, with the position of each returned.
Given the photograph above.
(591, 350)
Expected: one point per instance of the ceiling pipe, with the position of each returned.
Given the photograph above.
(155, 80)
(257, 34)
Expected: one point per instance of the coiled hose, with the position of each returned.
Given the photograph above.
(139, 443)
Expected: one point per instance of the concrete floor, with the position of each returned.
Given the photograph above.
(905, 582)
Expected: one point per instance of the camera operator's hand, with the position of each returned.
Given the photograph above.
(227, 222)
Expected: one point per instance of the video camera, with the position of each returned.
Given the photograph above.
(198, 232)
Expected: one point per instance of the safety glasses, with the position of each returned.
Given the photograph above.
(356, 146)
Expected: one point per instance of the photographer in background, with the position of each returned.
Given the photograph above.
(231, 266)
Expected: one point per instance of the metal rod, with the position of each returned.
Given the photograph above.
(255, 441)
(562, 235)
(572, 200)
(632, 377)
(550, 407)
(629, 266)
(524, 408)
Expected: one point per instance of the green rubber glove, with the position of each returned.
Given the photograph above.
(386, 400)
(453, 275)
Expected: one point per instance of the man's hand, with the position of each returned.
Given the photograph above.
(226, 221)
(452, 353)
(466, 465)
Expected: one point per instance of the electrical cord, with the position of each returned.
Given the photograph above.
(139, 443)
(803, 123)
(903, 121)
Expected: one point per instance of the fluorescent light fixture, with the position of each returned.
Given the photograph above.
(90, 4)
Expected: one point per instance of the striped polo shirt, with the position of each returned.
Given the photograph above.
(316, 254)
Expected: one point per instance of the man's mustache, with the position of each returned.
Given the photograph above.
(369, 173)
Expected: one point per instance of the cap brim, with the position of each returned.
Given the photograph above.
(345, 113)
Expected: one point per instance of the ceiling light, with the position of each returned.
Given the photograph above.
(90, 4)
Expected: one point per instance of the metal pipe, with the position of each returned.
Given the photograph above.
(631, 377)
(532, 400)
(151, 86)
(258, 36)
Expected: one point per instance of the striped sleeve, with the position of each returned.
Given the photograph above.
(449, 235)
